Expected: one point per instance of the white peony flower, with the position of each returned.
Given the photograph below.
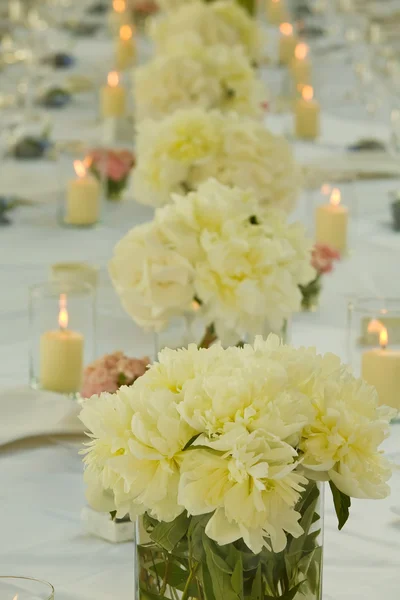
(222, 22)
(154, 282)
(193, 74)
(249, 482)
(178, 153)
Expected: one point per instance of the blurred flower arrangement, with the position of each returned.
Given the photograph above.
(183, 150)
(240, 262)
(220, 451)
(110, 372)
(222, 22)
(113, 166)
(322, 259)
(193, 74)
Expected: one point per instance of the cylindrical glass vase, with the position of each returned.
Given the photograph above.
(62, 323)
(373, 345)
(195, 567)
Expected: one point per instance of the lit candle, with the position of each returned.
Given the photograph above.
(113, 97)
(83, 197)
(381, 368)
(276, 12)
(119, 15)
(331, 222)
(307, 115)
(126, 48)
(301, 65)
(287, 44)
(61, 356)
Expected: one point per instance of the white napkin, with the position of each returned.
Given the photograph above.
(28, 413)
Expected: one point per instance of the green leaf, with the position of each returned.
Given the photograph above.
(195, 534)
(122, 379)
(342, 504)
(314, 571)
(149, 523)
(167, 535)
(220, 578)
(256, 588)
(145, 595)
(176, 576)
(237, 578)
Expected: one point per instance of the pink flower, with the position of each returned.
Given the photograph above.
(109, 372)
(117, 164)
(145, 7)
(323, 257)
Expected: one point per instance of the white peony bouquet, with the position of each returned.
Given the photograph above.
(220, 451)
(241, 262)
(193, 74)
(222, 22)
(181, 151)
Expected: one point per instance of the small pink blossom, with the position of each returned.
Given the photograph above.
(145, 7)
(109, 372)
(323, 257)
(117, 164)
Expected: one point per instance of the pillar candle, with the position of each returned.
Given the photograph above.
(83, 198)
(300, 67)
(287, 44)
(331, 223)
(381, 368)
(118, 16)
(276, 12)
(307, 115)
(61, 356)
(126, 48)
(113, 98)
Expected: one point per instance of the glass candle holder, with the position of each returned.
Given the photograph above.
(81, 195)
(25, 588)
(373, 342)
(62, 322)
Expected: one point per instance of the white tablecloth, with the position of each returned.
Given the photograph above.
(41, 488)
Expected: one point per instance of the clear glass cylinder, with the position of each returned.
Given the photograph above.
(25, 588)
(373, 345)
(186, 571)
(82, 191)
(62, 332)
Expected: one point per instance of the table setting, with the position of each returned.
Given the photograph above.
(199, 300)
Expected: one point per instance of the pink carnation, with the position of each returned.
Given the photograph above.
(108, 373)
(117, 164)
(323, 257)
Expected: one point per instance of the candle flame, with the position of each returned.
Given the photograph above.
(375, 326)
(63, 314)
(286, 28)
(383, 338)
(275, 1)
(336, 197)
(15, 597)
(307, 92)
(125, 33)
(195, 305)
(301, 51)
(80, 168)
(119, 6)
(113, 79)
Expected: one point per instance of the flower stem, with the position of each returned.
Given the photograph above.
(165, 580)
(192, 573)
(209, 337)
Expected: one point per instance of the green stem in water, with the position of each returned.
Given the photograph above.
(209, 337)
(165, 580)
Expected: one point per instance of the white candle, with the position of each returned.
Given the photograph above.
(301, 65)
(61, 356)
(118, 15)
(331, 222)
(126, 48)
(113, 98)
(83, 198)
(381, 368)
(307, 115)
(287, 43)
(276, 12)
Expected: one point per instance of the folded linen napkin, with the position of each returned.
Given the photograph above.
(26, 413)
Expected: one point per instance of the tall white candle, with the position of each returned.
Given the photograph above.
(61, 356)
(83, 198)
(113, 97)
(307, 115)
(331, 222)
(126, 48)
(301, 65)
(287, 43)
